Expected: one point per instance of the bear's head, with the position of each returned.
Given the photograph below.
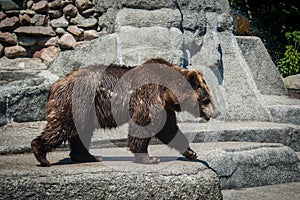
(202, 95)
(189, 94)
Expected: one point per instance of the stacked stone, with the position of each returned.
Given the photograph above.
(39, 28)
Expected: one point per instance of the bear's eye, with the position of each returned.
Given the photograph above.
(206, 101)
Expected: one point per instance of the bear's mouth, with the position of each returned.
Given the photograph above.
(205, 116)
(210, 112)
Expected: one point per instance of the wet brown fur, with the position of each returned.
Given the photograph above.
(87, 93)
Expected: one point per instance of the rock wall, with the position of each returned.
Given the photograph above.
(38, 28)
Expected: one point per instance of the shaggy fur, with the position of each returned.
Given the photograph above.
(87, 98)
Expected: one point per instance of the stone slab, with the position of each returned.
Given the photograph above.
(146, 18)
(117, 177)
(16, 137)
(283, 109)
(288, 191)
(36, 30)
(264, 71)
(237, 165)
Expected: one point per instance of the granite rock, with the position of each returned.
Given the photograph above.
(83, 22)
(40, 7)
(49, 54)
(15, 51)
(67, 41)
(59, 22)
(8, 38)
(36, 30)
(9, 23)
(90, 35)
(70, 10)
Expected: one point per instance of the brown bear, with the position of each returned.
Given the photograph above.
(146, 97)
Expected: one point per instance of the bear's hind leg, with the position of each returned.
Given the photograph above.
(79, 152)
(50, 138)
(139, 147)
(39, 150)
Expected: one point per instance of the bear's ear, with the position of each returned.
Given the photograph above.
(192, 78)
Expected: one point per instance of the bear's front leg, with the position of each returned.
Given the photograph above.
(139, 147)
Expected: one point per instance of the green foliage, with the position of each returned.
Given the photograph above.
(290, 63)
(270, 20)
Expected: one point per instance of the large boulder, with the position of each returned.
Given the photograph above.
(24, 93)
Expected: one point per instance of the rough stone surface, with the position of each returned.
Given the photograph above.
(53, 14)
(53, 41)
(59, 22)
(288, 191)
(265, 73)
(292, 82)
(60, 31)
(36, 30)
(9, 23)
(83, 4)
(220, 53)
(49, 54)
(25, 20)
(2, 15)
(38, 20)
(251, 165)
(70, 10)
(26, 99)
(238, 165)
(56, 4)
(104, 5)
(8, 38)
(67, 41)
(14, 51)
(116, 178)
(143, 18)
(40, 6)
(24, 92)
(284, 109)
(75, 30)
(83, 22)
(90, 35)
(133, 47)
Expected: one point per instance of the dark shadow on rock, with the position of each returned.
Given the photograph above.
(65, 161)
(68, 161)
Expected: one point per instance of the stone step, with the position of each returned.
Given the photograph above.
(220, 166)
(216, 131)
(16, 137)
(284, 109)
(117, 177)
(287, 191)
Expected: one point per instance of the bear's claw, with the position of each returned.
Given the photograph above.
(190, 154)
